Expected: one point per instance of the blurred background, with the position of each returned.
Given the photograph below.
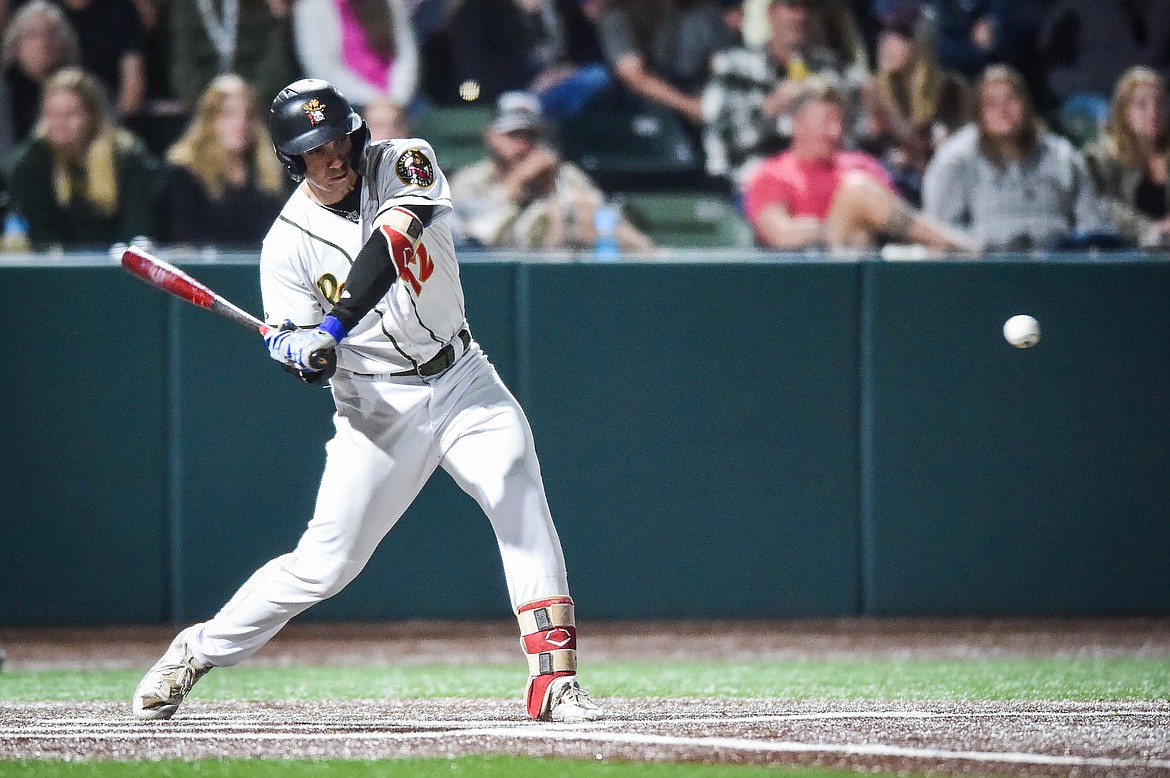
(738, 415)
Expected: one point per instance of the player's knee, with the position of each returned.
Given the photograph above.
(325, 576)
(511, 478)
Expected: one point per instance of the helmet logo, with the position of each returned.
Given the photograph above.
(414, 169)
(315, 110)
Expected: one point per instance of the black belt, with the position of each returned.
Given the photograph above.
(441, 361)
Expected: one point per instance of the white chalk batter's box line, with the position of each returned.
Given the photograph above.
(191, 720)
(593, 733)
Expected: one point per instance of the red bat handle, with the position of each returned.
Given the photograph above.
(169, 278)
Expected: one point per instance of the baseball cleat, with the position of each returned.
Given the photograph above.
(167, 683)
(571, 704)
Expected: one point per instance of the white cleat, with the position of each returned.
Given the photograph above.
(571, 704)
(167, 683)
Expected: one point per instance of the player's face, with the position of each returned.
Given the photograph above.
(328, 172)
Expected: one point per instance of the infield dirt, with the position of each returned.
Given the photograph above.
(944, 737)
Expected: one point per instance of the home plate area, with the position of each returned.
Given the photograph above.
(1009, 738)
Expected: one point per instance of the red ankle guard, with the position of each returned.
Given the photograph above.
(549, 634)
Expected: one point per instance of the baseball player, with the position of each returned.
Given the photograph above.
(360, 266)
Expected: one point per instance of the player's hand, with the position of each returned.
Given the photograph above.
(294, 347)
(312, 378)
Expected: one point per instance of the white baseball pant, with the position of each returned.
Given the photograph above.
(392, 433)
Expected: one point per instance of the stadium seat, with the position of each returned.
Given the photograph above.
(455, 132)
(688, 219)
(626, 146)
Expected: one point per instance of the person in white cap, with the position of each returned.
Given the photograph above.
(523, 195)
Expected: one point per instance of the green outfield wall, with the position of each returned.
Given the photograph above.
(769, 437)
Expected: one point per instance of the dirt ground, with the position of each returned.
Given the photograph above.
(1032, 738)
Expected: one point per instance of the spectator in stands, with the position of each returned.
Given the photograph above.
(222, 185)
(156, 53)
(817, 195)
(841, 33)
(1084, 47)
(113, 43)
(660, 50)
(524, 196)
(364, 47)
(733, 19)
(912, 102)
(548, 47)
(1007, 179)
(1130, 160)
(970, 34)
(38, 41)
(252, 38)
(747, 101)
(386, 119)
(79, 180)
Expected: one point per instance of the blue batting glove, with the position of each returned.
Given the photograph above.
(294, 347)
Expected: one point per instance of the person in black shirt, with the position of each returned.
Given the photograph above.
(79, 179)
(113, 41)
(221, 185)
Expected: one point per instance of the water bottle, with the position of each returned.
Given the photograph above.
(15, 232)
(605, 221)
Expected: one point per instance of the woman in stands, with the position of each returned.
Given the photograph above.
(1008, 180)
(79, 180)
(1131, 158)
(912, 103)
(222, 185)
(38, 41)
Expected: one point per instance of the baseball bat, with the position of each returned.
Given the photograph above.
(165, 276)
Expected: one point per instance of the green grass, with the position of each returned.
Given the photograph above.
(1015, 678)
(467, 767)
(1047, 678)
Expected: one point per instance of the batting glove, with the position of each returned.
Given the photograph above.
(294, 347)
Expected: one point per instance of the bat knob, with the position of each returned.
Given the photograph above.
(324, 359)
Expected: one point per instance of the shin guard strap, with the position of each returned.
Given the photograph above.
(536, 695)
(545, 614)
(547, 662)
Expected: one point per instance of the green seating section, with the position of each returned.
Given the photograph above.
(688, 219)
(455, 132)
(632, 147)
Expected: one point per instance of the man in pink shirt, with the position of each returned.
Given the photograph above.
(816, 194)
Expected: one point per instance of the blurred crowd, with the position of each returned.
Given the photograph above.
(958, 125)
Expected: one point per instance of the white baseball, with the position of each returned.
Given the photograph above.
(1022, 331)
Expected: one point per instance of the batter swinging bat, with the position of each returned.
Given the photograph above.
(169, 278)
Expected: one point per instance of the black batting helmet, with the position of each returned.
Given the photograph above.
(310, 113)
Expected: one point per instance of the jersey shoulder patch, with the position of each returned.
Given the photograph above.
(414, 168)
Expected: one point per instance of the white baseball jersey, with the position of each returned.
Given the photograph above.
(308, 253)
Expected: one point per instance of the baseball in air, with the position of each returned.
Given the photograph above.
(1022, 331)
